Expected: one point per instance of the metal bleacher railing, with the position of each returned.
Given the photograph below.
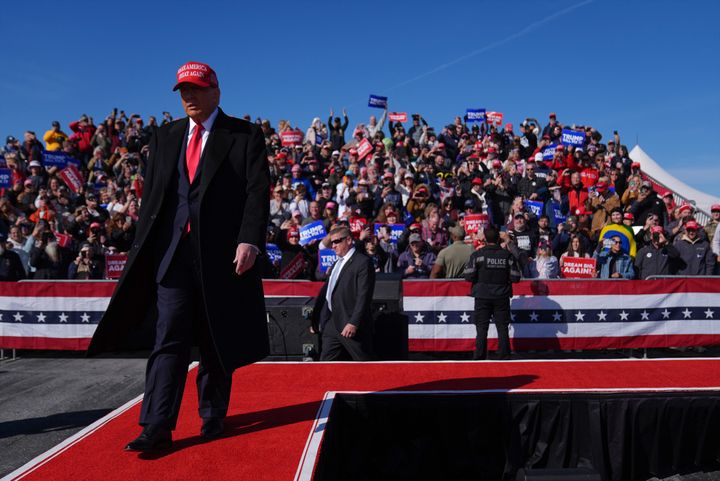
(701, 216)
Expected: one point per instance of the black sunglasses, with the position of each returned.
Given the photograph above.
(337, 241)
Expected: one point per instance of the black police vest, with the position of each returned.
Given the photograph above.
(493, 273)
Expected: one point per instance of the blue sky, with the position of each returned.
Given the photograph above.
(648, 69)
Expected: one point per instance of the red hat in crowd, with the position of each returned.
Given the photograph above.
(95, 225)
(552, 115)
(477, 181)
(496, 164)
(415, 226)
(601, 186)
(691, 225)
(330, 205)
(281, 155)
(492, 150)
(293, 232)
(656, 229)
(508, 127)
(353, 151)
(668, 194)
(628, 216)
(196, 73)
(715, 208)
(559, 148)
(685, 208)
(635, 165)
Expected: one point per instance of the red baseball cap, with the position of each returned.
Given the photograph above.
(692, 225)
(656, 229)
(628, 216)
(477, 181)
(685, 208)
(601, 186)
(196, 73)
(714, 207)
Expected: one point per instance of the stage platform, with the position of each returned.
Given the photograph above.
(281, 411)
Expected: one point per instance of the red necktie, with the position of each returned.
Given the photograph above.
(193, 151)
(192, 158)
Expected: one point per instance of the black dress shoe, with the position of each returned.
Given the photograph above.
(212, 428)
(152, 438)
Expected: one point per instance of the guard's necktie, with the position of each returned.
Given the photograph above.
(193, 151)
(333, 279)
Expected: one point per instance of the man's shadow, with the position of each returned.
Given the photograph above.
(535, 319)
(245, 423)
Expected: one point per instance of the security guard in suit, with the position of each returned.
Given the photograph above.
(492, 270)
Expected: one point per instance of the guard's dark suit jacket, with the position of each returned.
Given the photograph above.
(228, 204)
(351, 299)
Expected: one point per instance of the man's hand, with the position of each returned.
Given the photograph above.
(244, 258)
(349, 330)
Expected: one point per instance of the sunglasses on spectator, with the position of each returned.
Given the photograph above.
(444, 175)
(338, 240)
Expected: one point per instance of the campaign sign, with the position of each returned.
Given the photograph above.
(72, 178)
(63, 240)
(377, 102)
(396, 231)
(291, 138)
(294, 268)
(364, 148)
(273, 252)
(114, 265)
(475, 115)
(398, 116)
(5, 178)
(549, 152)
(357, 224)
(573, 137)
(534, 206)
(474, 222)
(495, 118)
(312, 231)
(326, 258)
(58, 159)
(577, 268)
(557, 212)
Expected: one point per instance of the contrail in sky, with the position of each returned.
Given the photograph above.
(493, 45)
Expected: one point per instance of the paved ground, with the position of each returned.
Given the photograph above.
(44, 400)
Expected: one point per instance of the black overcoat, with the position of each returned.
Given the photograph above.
(233, 208)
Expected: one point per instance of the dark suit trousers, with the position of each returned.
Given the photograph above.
(180, 325)
(336, 347)
(499, 309)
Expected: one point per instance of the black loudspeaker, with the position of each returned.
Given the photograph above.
(288, 321)
(567, 474)
(390, 336)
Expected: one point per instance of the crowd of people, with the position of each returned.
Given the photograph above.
(404, 189)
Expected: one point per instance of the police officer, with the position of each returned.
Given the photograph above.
(11, 268)
(492, 270)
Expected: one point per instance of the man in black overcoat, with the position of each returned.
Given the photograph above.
(202, 223)
(342, 310)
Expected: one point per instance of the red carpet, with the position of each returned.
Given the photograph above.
(274, 405)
